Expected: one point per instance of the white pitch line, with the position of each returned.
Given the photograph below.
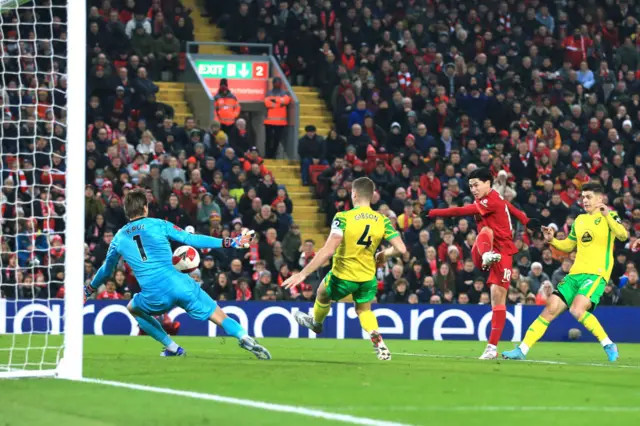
(531, 361)
(490, 408)
(292, 409)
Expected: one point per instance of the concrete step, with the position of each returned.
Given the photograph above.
(286, 173)
(305, 202)
(307, 210)
(290, 181)
(309, 220)
(304, 89)
(307, 96)
(312, 103)
(316, 120)
(170, 85)
(276, 163)
(285, 170)
(304, 195)
(168, 99)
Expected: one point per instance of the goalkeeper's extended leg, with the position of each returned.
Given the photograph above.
(580, 311)
(153, 328)
(555, 306)
(233, 328)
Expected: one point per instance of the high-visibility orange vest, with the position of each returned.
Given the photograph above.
(227, 108)
(276, 108)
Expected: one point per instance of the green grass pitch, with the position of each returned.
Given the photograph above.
(444, 385)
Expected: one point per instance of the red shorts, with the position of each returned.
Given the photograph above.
(499, 273)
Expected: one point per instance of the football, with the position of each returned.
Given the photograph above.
(186, 259)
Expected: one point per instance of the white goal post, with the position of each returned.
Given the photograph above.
(23, 353)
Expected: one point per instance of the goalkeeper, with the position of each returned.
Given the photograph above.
(144, 245)
(593, 235)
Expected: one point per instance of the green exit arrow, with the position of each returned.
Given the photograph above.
(244, 72)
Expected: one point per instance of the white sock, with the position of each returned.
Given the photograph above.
(606, 342)
(490, 346)
(173, 347)
(524, 348)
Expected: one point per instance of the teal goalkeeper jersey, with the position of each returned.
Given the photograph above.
(144, 245)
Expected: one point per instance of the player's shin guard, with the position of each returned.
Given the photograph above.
(320, 312)
(368, 321)
(534, 333)
(484, 241)
(592, 324)
(498, 319)
(153, 328)
(233, 328)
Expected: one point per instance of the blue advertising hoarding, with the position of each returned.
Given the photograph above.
(414, 322)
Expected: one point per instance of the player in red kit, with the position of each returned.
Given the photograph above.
(494, 248)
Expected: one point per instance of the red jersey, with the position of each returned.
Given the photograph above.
(109, 296)
(494, 212)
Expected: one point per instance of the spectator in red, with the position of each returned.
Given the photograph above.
(110, 292)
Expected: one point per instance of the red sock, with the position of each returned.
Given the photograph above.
(498, 320)
(484, 242)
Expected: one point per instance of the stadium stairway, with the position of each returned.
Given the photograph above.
(204, 31)
(313, 110)
(173, 94)
(306, 209)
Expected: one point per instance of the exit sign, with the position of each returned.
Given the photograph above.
(233, 69)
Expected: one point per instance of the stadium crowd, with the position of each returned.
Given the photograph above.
(544, 94)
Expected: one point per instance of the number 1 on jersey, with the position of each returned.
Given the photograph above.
(365, 242)
(138, 241)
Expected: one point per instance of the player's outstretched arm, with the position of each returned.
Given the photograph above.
(468, 210)
(615, 223)
(175, 233)
(567, 245)
(105, 270)
(323, 255)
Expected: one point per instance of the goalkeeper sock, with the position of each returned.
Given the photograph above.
(498, 319)
(368, 321)
(153, 328)
(484, 242)
(233, 328)
(592, 324)
(320, 312)
(534, 333)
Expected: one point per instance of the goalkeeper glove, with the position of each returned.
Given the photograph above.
(534, 225)
(88, 291)
(237, 241)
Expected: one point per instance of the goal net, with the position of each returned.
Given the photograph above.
(41, 187)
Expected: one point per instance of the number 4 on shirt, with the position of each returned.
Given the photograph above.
(365, 238)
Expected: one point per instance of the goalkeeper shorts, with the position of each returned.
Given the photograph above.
(186, 295)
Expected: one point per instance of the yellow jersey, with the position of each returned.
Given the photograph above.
(593, 235)
(362, 231)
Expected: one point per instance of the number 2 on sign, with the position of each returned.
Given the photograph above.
(260, 70)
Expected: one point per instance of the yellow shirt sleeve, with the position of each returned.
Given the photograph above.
(568, 244)
(615, 225)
